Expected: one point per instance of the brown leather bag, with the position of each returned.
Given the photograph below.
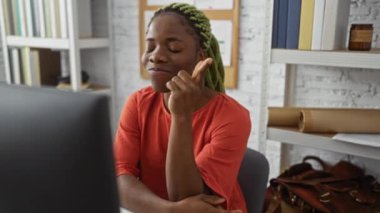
(340, 188)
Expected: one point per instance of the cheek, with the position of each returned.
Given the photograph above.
(192, 64)
(144, 59)
(188, 62)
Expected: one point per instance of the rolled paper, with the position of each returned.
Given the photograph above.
(340, 121)
(284, 116)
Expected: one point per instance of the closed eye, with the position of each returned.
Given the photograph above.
(175, 51)
(175, 46)
(149, 46)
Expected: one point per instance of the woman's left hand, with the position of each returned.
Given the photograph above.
(188, 92)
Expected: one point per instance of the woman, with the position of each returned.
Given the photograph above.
(180, 142)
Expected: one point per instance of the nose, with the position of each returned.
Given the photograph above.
(158, 56)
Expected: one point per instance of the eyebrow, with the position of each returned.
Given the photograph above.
(170, 39)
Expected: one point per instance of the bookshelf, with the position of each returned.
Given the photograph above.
(55, 43)
(70, 33)
(288, 59)
(350, 59)
(342, 58)
(321, 141)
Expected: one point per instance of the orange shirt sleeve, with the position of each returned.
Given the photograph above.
(219, 161)
(127, 140)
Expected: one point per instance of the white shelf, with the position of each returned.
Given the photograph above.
(356, 59)
(55, 43)
(321, 142)
(92, 43)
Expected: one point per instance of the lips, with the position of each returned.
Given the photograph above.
(158, 70)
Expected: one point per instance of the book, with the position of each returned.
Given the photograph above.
(306, 25)
(293, 26)
(15, 65)
(319, 11)
(282, 23)
(41, 18)
(25, 66)
(335, 27)
(7, 17)
(53, 18)
(35, 67)
(35, 18)
(50, 66)
(57, 15)
(63, 18)
(16, 17)
(275, 24)
(22, 17)
(47, 18)
(11, 18)
(29, 18)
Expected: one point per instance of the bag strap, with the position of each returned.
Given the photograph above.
(311, 182)
(325, 166)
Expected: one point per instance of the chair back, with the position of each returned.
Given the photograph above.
(253, 179)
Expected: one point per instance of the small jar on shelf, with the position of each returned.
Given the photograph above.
(360, 37)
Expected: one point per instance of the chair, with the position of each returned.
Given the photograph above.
(253, 179)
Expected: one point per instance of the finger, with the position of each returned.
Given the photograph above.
(213, 200)
(198, 64)
(171, 85)
(196, 69)
(179, 83)
(186, 78)
(200, 72)
(201, 67)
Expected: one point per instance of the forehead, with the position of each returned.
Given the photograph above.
(169, 24)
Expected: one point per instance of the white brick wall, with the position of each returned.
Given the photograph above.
(126, 45)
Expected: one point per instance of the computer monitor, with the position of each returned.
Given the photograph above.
(55, 152)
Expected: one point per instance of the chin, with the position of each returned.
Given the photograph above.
(161, 88)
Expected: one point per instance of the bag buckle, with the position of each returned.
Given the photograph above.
(325, 197)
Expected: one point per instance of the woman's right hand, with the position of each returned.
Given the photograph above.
(202, 203)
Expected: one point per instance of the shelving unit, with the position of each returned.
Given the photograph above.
(73, 44)
(55, 43)
(353, 59)
(273, 141)
(350, 59)
(321, 141)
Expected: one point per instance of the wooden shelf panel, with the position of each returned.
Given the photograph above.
(324, 142)
(356, 59)
(55, 43)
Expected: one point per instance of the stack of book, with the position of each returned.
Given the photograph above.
(44, 18)
(34, 67)
(310, 24)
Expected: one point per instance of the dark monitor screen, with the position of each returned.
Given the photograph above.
(55, 152)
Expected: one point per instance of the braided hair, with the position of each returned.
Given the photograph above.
(201, 25)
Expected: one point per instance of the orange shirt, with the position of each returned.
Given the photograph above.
(220, 131)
